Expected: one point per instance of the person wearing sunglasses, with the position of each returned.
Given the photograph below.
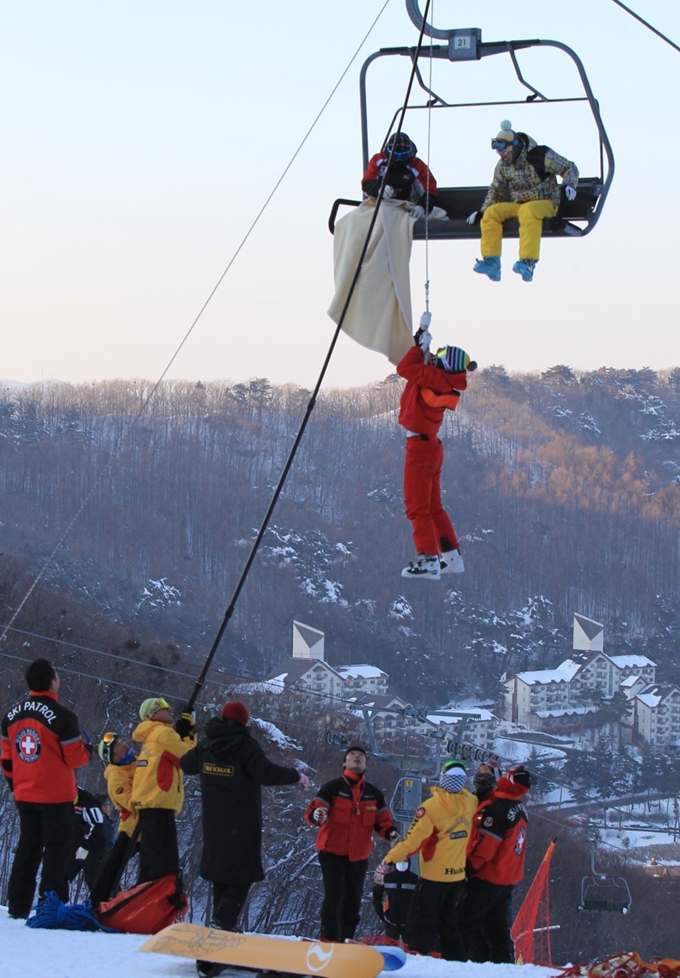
(434, 384)
(524, 186)
(157, 786)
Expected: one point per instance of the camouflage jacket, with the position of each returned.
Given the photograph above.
(522, 181)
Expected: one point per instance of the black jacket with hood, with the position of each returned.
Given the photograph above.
(232, 767)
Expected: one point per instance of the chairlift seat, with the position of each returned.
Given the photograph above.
(605, 894)
(460, 202)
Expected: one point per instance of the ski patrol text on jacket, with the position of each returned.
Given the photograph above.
(158, 781)
(497, 844)
(415, 414)
(119, 778)
(356, 809)
(42, 746)
(530, 177)
(439, 833)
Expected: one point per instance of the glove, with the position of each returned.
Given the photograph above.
(417, 212)
(392, 835)
(186, 724)
(423, 339)
(304, 782)
(381, 873)
(474, 218)
(81, 854)
(569, 193)
(426, 319)
(320, 815)
(388, 192)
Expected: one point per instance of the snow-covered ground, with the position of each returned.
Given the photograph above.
(29, 953)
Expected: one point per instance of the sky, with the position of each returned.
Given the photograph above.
(31, 953)
(140, 141)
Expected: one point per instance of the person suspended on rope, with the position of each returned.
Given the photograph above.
(157, 786)
(120, 763)
(433, 386)
(406, 176)
(42, 746)
(524, 186)
(495, 864)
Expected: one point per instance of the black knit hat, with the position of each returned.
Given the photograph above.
(359, 747)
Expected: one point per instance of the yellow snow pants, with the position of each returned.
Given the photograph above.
(530, 217)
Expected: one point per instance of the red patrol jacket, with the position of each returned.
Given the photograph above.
(416, 414)
(497, 843)
(355, 810)
(41, 747)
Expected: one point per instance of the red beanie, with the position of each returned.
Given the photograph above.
(236, 712)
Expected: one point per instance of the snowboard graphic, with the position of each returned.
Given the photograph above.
(255, 951)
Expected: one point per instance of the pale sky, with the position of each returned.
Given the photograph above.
(141, 139)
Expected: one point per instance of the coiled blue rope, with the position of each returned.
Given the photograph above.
(51, 912)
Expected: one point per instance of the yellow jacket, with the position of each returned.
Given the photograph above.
(158, 779)
(439, 833)
(119, 783)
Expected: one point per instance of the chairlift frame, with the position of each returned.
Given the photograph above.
(459, 202)
(603, 894)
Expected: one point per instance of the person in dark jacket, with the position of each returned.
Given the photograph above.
(232, 768)
(41, 748)
(347, 811)
(392, 895)
(93, 837)
(406, 178)
(495, 863)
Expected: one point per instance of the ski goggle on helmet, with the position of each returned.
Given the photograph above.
(404, 147)
(106, 745)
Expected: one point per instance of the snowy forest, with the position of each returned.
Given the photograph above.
(126, 521)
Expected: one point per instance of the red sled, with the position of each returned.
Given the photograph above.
(147, 908)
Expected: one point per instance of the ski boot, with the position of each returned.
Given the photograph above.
(451, 562)
(525, 268)
(491, 266)
(426, 566)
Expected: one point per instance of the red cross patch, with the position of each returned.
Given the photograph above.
(27, 743)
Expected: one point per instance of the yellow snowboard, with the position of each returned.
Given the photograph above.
(275, 953)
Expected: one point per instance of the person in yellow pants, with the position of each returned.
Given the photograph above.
(524, 186)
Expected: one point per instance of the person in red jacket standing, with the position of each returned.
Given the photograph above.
(41, 747)
(433, 386)
(495, 863)
(347, 811)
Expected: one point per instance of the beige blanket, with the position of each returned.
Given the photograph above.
(379, 314)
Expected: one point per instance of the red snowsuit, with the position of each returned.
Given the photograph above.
(428, 393)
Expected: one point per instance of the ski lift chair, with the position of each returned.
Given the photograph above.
(574, 219)
(604, 894)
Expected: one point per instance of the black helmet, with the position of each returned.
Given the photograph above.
(404, 147)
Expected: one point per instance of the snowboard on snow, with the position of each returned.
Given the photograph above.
(292, 955)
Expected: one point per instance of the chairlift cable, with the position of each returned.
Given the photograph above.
(310, 406)
(52, 555)
(647, 24)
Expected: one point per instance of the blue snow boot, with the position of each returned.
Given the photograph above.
(491, 266)
(525, 268)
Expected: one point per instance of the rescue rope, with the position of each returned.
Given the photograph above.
(312, 401)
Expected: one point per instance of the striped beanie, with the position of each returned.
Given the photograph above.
(453, 359)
